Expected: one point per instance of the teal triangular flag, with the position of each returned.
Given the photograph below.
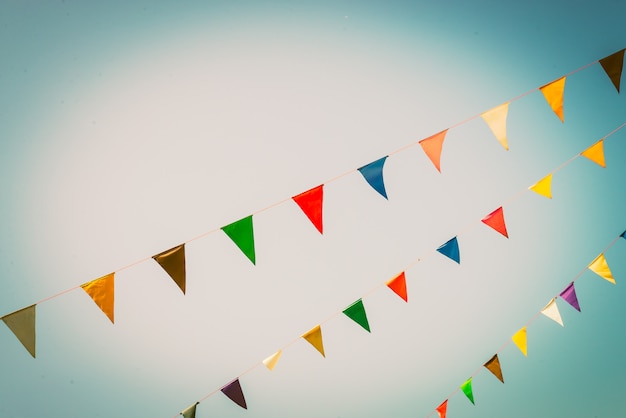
(373, 173)
(623, 235)
(451, 250)
(356, 312)
(242, 234)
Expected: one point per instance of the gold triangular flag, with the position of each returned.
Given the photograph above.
(612, 66)
(496, 119)
(551, 310)
(520, 340)
(601, 268)
(314, 337)
(173, 262)
(22, 323)
(102, 291)
(543, 186)
(272, 360)
(190, 411)
(595, 153)
(553, 92)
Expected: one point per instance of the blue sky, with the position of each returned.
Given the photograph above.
(130, 128)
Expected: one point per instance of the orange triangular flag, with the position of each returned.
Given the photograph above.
(311, 203)
(612, 66)
(601, 268)
(543, 186)
(173, 262)
(432, 147)
(595, 153)
(520, 340)
(443, 409)
(553, 92)
(102, 291)
(496, 119)
(314, 337)
(496, 220)
(398, 285)
(22, 323)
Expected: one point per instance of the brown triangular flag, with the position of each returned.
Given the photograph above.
(173, 262)
(612, 66)
(234, 392)
(22, 323)
(102, 291)
(493, 365)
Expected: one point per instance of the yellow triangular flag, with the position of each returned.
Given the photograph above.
(553, 92)
(102, 291)
(543, 186)
(272, 360)
(551, 310)
(22, 323)
(314, 337)
(520, 340)
(173, 262)
(190, 412)
(496, 119)
(596, 153)
(601, 268)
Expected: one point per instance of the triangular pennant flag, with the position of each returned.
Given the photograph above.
(520, 340)
(623, 235)
(551, 310)
(22, 323)
(451, 250)
(234, 392)
(496, 119)
(311, 203)
(173, 262)
(356, 312)
(569, 295)
(543, 186)
(553, 92)
(493, 365)
(601, 267)
(242, 234)
(443, 409)
(272, 360)
(467, 390)
(398, 285)
(373, 173)
(102, 291)
(612, 66)
(432, 147)
(314, 337)
(496, 220)
(595, 153)
(190, 412)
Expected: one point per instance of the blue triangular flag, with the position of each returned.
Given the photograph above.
(623, 235)
(451, 250)
(373, 173)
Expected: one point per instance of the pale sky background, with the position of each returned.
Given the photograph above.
(127, 128)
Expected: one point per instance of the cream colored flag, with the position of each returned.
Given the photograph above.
(496, 119)
(272, 360)
(551, 310)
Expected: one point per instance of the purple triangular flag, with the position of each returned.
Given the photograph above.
(234, 392)
(569, 295)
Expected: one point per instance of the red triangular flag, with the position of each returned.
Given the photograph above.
(432, 147)
(398, 285)
(496, 220)
(442, 409)
(311, 203)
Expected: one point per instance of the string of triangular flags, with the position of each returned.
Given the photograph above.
(598, 266)
(357, 313)
(241, 232)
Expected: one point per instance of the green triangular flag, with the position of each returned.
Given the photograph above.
(242, 234)
(467, 390)
(190, 412)
(356, 312)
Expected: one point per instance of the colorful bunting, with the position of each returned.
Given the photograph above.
(314, 337)
(443, 409)
(569, 295)
(612, 66)
(234, 392)
(493, 365)
(22, 323)
(242, 234)
(595, 153)
(601, 267)
(190, 412)
(496, 220)
(272, 360)
(551, 310)
(373, 173)
(496, 119)
(356, 312)
(467, 390)
(543, 186)
(432, 147)
(451, 250)
(102, 291)
(398, 285)
(553, 92)
(520, 341)
(173, 262)
(311, 203)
